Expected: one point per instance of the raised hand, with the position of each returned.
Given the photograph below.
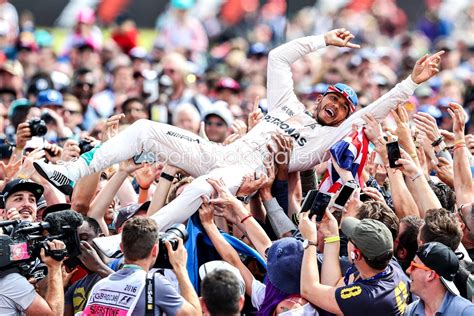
(426, 67)
(11, 168)
(340, 37)
(71, 150)
(256, 115)
(426, 123)
(112, 126)
(459, 118)
(239, 127)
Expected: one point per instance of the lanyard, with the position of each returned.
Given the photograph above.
(132, 266)
(353, 269)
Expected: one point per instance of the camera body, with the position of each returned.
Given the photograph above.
(171, 235)
(85, 146)
(37, 127)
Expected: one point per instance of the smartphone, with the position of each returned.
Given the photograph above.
(148, 157)
(308, 200)
(393, 152)
(321, 202)
(364, 197)
(344, 194)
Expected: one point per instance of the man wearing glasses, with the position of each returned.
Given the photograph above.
(432, 272)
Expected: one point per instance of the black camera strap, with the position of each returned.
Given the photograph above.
(150, 293)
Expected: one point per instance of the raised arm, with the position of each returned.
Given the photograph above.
(425, 68)
(279, 76)
(463, 186)
(206, 214)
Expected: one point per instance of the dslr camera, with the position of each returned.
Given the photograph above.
(172, 235)
(85, 146)
(37, 127)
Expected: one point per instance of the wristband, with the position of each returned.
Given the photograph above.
(438, 141)
(331, 239)
(166, 176)
(416, 176)
(142, 188)
(460, 141)
(245, 218)
(457, 146)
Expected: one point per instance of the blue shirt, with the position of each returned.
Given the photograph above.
(451, 305)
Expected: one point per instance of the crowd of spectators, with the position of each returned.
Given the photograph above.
(402, 244)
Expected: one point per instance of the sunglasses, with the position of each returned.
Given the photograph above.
(218, 124)
(414, 265)
(462, 217)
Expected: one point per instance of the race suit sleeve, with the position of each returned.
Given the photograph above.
(279, 76)
(380, 108)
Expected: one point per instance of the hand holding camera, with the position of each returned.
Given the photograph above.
(54, 255)
(177, 257)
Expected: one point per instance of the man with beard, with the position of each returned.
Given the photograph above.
(19, 198)
(312, 130)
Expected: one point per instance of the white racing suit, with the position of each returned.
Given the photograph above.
(203, 159)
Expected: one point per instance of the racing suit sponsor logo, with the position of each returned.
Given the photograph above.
(287, 128)
(185, 137)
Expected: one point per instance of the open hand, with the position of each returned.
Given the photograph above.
(426, 67)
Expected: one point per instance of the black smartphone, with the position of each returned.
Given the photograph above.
(321, 202)
(344, 194)
(393, 152)
(308, 200)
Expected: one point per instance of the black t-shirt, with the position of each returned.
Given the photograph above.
(384, 294)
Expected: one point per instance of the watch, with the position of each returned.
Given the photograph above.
(244, 199)
(307, 243)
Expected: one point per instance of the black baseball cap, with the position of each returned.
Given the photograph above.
(129, 211)
(22, 185)
(442, 260)
(56, 208)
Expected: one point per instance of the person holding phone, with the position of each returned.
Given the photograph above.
(313, 131)
(376, 288)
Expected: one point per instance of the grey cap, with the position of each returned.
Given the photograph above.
(372, 237)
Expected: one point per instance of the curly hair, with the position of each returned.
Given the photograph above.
(442, 226)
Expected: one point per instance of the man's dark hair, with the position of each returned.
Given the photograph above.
(445, 195)
(442, 226)
(220, 291)
(129, 101)
(380, 262)
(382, 213)
(139, 235)
(93, 224)
(408, 239)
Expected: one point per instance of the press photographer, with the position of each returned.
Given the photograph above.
(141, 287)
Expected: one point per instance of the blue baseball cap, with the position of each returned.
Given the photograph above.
(347, 92)
(49, 97)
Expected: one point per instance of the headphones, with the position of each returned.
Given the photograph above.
(354, 255)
